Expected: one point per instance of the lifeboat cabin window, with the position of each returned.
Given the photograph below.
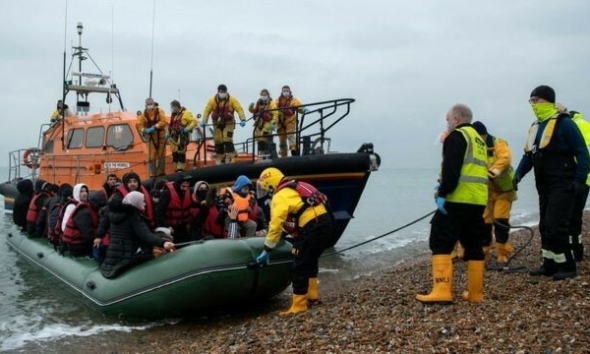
(94, 137)
(119, 136)
(48, 148)
(75, 137)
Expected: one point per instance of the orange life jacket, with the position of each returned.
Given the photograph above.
(222, 109)
(71, 233)
(243, 205)
(178, 211)
(33, 212)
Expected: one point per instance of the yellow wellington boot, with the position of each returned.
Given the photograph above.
(486, 252)
(299, 304)
(442, 280)
(502, 252)
(474, 291)
(313, 296)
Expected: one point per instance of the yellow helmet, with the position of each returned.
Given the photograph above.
(270, 178)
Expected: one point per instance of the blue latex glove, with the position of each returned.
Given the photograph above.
(263, 257)
(203, 125)
(440, 204)
(305, 110)
(252, 105)
(167, 137)
(185, 130)
(242, 123)
(273, 127)
(150, 130)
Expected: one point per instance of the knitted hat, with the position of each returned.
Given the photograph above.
(135, 199)
(545, 92)
(480, 128)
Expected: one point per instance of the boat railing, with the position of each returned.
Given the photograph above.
(18, 160)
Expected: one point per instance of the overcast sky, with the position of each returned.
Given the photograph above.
(405, 62)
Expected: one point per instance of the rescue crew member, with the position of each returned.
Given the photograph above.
(313, 228)
(221, 107)
(287, 121)
(181, 124)
(580, 199)
(501, 194)
(460, 199)
(174, 207)
(556, 150)
(152, 122)
(265, 120)
(59, 111)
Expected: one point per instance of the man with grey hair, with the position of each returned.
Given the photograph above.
(460, 198)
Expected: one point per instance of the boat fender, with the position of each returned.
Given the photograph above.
(91, 285)
(40, 255)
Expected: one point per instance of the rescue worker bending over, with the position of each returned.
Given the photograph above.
(182, 123)
(311, 225)
(265, 121)
(174, 207)
(221, 107)
(501, 194)
(152, 123)
(287, 121)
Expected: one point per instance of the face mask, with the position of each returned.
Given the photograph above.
(150, 106)
(174, 110)
(263, 98)
(222, 95)
(286, 93)
(544, 111)
(201, 194)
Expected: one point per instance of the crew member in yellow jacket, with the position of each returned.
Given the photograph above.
(581, 197)
(501, 194)
(152, 123)
(221, 107)
(59, 111)
(265, 120)
(287, 121)
(181, 124)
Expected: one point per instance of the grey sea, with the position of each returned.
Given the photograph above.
(36, 308)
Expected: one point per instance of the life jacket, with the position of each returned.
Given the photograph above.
(253, 214)
(310, 196)
(149, 206)
(71, 234)
(33, 211)
(285, 105)
(222, 111)
(243, 205)
(54, 216)
(210, 228)
(531, 144)
(261, 111)
(149, 122)
(178, 211)
(176, 120)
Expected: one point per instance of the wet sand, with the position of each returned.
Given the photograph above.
(371, 309)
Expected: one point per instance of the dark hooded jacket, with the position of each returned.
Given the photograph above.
(42, 189)
(21, 203)
(129, 234)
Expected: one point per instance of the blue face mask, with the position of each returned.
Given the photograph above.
(222, 95)
(263, 98)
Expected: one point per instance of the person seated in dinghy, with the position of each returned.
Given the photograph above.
(238, 195)
(132, 241)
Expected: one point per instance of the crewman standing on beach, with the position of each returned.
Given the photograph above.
(555, 149)
(460, 199)
(501, 194)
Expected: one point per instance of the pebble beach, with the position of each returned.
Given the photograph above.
(373, 311)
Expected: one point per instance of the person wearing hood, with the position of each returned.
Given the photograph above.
(131, 238)
(556, 151)
(174, 207)
(199, 209)
(21, 203)
(54, 211)
(132, 182)
(80, 221)
(240, 193)
(42, 193)
(41, 224)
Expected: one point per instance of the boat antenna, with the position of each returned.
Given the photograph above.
(152, 55)
(109, 99)
(64, 88)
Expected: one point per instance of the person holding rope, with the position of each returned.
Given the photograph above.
(556, 151)
(461, 198)
(152, 122)
(501, 195)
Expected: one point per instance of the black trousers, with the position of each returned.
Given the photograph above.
(578, 212)
(464, 223)
(312, 240)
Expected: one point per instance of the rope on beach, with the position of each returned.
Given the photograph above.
(528, 228)
(380, 236)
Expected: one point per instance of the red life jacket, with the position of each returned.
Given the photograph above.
(261, 111)
(178, 211)
(33, 212)
(222, 111)
(149, 122)
(285, 104)
(310, 196)
(71, 233)
(210, 228)
(176, 121)
(254, 210)
(149, 207)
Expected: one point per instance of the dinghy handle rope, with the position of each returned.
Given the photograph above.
(525, 245)
(380, 236)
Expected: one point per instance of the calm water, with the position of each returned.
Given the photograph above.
(35, 307)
